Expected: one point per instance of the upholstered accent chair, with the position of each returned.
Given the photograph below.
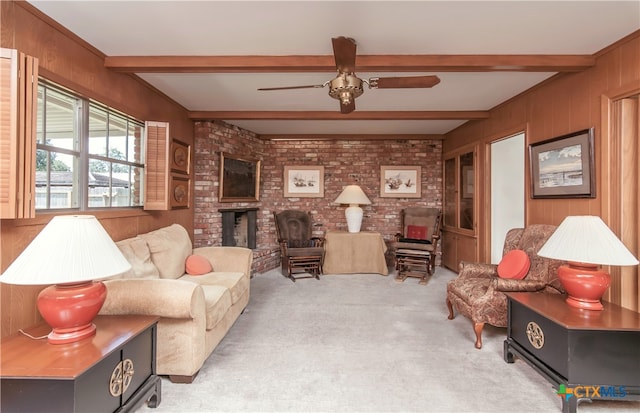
(300, 252)
(478, 290)
(415, 248)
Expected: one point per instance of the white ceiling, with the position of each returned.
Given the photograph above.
(284, 28)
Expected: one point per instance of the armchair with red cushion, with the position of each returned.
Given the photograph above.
(478, 290)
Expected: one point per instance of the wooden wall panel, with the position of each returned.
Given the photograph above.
(67, 60)
(560, 105)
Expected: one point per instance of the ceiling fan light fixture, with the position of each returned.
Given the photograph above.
(346, 87)
(345, 97)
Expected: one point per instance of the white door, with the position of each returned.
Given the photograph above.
(507, 190)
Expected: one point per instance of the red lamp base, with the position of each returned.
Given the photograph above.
(585, 284)
(70, 309)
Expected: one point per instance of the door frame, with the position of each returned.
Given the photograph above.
(485, 223)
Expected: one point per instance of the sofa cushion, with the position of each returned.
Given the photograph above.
(515, 265)
(197, 265)
(236, 282)
(217, 300)
(170, 247)
(136, 251)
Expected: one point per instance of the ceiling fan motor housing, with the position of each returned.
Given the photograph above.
(346, 87)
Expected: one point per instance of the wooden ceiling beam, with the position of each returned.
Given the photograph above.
(335, 115)
(364, 63)
(350, 137)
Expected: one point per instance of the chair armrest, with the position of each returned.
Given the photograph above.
(477, 270)
(159, 297)
(228, 259)
(506, 285)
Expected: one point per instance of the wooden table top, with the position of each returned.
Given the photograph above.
(22, 356)
(554, 307)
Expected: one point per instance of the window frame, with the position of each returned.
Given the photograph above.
(82, 119)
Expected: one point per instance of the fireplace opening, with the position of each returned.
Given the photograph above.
(239, 227)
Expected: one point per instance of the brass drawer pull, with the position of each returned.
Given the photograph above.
(121, 377)
(535, 335)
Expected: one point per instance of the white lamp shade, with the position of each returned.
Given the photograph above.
(70, 249)
(586, 239)
(352, 195)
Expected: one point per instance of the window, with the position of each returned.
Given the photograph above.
(88, 155)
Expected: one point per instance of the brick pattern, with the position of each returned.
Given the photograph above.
(345, 161)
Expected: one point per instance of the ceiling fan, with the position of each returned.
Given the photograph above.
(346, 87)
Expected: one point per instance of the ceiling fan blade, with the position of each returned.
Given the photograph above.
(292, 87)
(403, 82)
(349, 107)
(344, 51)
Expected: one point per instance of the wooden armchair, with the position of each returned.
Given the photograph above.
(415, 248)
(478, 291)
(300, 252)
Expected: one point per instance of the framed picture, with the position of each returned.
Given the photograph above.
(179, 191)
(180, 156)
(468, 182)
(304, 181)
(563, 167)
(239, 179)
(400, 181)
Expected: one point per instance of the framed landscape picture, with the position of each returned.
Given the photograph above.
(239, 179)
(400, 181)
(304, 181)
(563, 167)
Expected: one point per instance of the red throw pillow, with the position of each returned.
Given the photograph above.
(515, 265)
(416, 232)
(198, 265)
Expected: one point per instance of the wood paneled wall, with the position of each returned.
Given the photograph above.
(562, 104)
(71, 62)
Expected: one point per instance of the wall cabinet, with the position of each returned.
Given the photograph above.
(457, 247)
(459, 239)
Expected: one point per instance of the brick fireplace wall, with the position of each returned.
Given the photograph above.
(345, 162)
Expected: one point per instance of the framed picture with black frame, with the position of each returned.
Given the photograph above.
(563, 167)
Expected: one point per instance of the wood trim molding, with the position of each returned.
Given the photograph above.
(334, 115)
(366, 63)
(358, 137)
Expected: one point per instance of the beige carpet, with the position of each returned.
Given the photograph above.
(361, 343)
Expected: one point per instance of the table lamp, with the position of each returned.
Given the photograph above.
(70, 252)
(354, 196)
(585, 242)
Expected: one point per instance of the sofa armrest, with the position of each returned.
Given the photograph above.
(477, 270)
(507, 284)
(228, 259)
(158, 297)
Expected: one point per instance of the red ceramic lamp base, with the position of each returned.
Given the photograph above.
(70, 309)
(585, 284)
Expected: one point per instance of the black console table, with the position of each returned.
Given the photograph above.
(586, 355)
(113, 371)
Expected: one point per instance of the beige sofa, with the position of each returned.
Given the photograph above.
(195, 311)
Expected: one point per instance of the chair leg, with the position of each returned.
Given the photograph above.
(450, 307)
(477, 327)
(290, 272)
